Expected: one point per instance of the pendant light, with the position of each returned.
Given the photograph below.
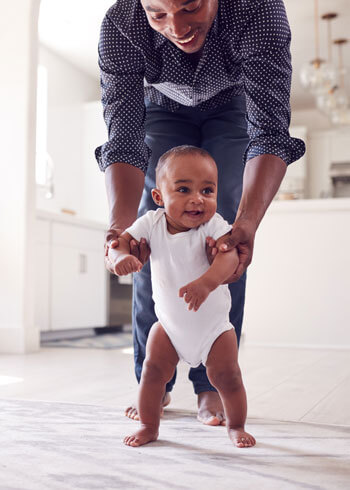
(317, 76)
(340, 114)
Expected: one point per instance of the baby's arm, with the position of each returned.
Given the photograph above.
(123, 262)
(224, 264)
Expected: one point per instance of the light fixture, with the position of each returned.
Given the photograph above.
(340, 114)
(317, 75)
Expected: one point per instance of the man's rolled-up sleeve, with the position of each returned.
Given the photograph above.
(267, 71)
(122, 73)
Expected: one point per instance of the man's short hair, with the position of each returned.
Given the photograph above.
(180, 151)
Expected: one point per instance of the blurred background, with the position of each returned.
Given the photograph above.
(299, 281)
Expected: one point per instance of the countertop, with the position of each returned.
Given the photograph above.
(69, 219)
(310, 205)
(288, 206)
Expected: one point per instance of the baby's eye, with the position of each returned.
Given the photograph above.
(183, 189)
(208, 190)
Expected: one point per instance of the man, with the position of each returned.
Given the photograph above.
(210, 73)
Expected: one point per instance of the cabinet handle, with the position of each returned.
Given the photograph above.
(82, 263)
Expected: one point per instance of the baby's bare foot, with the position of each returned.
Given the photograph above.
(141, 437)
(131, 411)
(241, 438)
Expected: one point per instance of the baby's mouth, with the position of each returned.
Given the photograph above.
(194, 213)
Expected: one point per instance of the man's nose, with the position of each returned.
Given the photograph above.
(178, 28)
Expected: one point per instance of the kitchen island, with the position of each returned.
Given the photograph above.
(298, 286)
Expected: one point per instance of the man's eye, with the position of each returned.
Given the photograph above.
(183, 189)
(193, 9)
(208, 190)
(157, 18)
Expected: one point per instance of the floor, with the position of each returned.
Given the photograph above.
(284, 384)
(70, 446)
(62, 424)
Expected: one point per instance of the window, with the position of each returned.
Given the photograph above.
(41, 128)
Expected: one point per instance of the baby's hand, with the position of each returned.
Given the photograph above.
(124, 264)
(195, 293)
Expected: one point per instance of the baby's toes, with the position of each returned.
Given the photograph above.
(241, 439)
(240, 442)
(252, 441)
(127, 440)
(248, 440)
(134, 442)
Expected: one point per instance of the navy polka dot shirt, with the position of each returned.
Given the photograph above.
(246, 52)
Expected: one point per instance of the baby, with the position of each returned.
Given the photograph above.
(191, 303)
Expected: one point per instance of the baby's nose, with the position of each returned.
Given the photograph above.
(197, 198)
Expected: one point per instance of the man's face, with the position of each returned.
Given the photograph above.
(184, 22)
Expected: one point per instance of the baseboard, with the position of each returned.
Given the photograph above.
(74, 333)
(286, 345)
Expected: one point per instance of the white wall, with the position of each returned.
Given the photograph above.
(312, 119)
(68, 89)
(18, 54)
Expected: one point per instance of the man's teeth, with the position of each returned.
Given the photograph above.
(186, 40)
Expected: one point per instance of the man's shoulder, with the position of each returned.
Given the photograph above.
(237, 13)
(128, 16)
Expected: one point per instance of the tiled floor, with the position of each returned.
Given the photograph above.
(282, 384)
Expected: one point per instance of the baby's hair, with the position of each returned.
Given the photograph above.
(180, 151)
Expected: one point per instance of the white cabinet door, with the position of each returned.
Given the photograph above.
(340, 146)
(78, 278)
(319, 164)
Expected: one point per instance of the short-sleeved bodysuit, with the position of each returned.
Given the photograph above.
(177, 260)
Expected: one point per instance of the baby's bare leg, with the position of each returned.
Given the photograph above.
(224, 373)
(158, 368)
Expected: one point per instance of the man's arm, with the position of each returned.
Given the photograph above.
(262, 177)
(261, 180)
(124, 185)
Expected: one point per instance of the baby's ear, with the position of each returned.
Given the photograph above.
(157, 197)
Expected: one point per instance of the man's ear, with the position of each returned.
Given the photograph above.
(157, 197)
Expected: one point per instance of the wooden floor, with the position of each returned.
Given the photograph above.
(309, 385)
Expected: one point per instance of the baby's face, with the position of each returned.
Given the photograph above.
(188, 189)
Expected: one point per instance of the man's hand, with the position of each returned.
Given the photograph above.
(242, 238)
(141, 251)
(210, 249)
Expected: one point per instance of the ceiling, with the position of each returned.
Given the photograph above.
(71, 29)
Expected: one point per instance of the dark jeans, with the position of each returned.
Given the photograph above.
(223, 133)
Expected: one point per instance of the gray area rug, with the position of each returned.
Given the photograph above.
(107, 341)
(65, 446)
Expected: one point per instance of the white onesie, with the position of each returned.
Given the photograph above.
(177, 260)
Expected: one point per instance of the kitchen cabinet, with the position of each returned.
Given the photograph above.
(72, 280)
(42, 275)
(324, 148)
